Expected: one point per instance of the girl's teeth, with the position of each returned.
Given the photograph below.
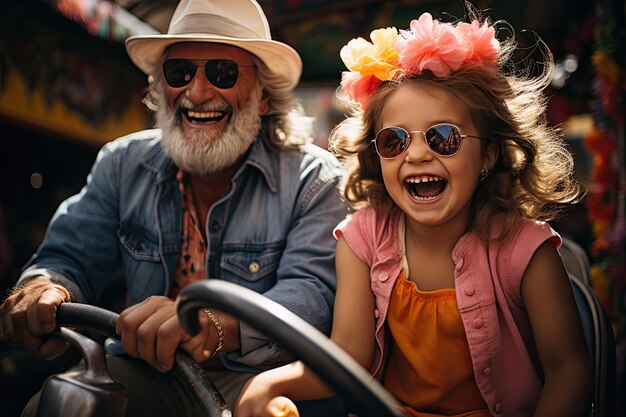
(422, 179)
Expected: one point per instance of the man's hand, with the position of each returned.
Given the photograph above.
(151, 331)
(30, 313)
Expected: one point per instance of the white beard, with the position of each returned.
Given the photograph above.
(207, 151)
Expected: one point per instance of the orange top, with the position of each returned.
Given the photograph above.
(430, 367)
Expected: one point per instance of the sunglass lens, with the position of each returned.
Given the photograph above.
(178, 72)
(391, 142)
(444, 139)
(222, 73)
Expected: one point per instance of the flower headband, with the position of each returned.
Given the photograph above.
(428, 45)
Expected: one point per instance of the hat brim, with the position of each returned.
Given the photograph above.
(282, 60)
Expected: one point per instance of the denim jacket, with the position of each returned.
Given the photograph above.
(271, 232)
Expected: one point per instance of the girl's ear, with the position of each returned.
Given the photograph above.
(491, 156)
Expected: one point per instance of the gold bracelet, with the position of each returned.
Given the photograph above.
(219, 328)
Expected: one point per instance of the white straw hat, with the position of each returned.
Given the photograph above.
(241, 23)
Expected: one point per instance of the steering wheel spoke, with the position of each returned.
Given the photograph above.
(101, 321)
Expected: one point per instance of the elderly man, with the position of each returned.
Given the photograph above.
(221, 190)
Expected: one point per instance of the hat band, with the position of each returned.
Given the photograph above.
(200, 23)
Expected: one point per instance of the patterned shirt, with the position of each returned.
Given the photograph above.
(193, 249)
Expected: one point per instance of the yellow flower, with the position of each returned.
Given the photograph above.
(379, 58)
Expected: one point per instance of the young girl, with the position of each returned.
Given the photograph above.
(450, 288)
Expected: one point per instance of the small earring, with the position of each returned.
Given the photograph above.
(484, 173)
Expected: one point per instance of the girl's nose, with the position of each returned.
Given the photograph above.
(200, 89)
(418, 151)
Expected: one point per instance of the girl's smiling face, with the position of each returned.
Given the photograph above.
(432, 189)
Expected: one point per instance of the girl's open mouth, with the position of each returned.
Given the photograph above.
(425, 187)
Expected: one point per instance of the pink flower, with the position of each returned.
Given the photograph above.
(483, 47)
(431, 45)
(359, 88)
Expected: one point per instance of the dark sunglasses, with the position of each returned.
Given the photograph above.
(222, 73)
(444, 139)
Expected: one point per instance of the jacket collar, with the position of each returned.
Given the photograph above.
(265, 160)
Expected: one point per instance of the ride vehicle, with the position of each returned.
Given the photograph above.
(93, 393)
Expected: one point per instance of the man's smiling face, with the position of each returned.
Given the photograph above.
(207, 128)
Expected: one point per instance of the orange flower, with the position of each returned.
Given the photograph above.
(378, 58)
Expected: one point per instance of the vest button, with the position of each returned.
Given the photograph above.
(478, 323)
(469, 291)
(383, 276)
(254, 267)
(487, 371)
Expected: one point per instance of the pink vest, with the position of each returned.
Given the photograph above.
(488, 291)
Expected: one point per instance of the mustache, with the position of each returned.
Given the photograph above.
(183, 103)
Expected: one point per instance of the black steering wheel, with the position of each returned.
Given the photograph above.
(340, 371)
(93, 393)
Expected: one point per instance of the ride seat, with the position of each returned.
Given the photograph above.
(575, 259)
(597, 329)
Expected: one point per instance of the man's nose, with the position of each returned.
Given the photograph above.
(200, 88)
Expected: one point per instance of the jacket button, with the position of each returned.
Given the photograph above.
(215, 225)
(383, 276)
(254, 267)
(469, 291)
(487, 371)
(376, 313)
(478, 323)
(498, 407)
(142, 246)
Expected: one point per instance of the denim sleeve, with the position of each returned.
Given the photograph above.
(306, 274)
(80, 248)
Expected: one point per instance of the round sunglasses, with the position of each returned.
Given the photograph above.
(222, 73)
(444, 139)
